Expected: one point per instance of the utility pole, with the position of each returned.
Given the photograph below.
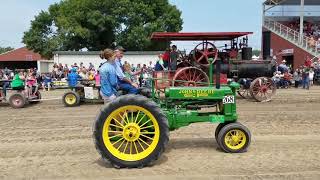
(263, 13)
(301, 21)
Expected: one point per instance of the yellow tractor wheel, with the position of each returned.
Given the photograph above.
(131, 132)
(234, 138)
(71, 99)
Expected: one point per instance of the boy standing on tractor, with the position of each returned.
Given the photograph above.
(166, 58)
(174, 55)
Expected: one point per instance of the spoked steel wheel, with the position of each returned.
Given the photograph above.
(235, 139)
(263, 89)
(190, 76)
(203, 52)
(244, 92)
(131, 132)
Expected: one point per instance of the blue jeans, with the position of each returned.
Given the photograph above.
(128, 87)
(306, 82)
(283, 83)
(173, 65)
(4, 88)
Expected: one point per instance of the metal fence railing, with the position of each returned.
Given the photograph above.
(289, 34)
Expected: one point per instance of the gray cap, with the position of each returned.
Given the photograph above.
(120, 48)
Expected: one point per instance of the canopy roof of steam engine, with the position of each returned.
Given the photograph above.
(194, 36)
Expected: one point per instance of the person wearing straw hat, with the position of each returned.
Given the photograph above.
(283, 67)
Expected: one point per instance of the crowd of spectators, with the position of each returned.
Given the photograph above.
(61, 72)
(304, 76)
(139, 75)
(311, 30)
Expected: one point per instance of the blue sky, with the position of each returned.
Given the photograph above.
(198, 16)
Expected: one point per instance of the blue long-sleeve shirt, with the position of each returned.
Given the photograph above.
(108, 79)
(119, 70)
(73, 78)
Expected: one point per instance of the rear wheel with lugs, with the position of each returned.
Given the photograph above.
(131, 132)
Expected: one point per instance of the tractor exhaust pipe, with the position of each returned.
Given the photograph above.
(218, 70)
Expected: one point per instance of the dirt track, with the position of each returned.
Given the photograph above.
(49, 141)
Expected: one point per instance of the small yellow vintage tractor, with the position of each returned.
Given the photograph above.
(133, 131)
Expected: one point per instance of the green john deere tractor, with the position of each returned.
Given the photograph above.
(133, 131)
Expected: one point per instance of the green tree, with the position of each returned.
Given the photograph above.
(96, 24)
(5, 49)
(256, 52)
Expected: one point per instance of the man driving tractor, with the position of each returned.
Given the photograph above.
(123, 82)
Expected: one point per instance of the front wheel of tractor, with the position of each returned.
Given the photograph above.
(234, 138)
(218, 128)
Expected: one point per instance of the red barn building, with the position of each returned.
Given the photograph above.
(21, 58)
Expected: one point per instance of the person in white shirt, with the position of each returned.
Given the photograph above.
(311, 76)
(277, 78)
(83, 74)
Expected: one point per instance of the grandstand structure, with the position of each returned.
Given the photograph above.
(291, 30)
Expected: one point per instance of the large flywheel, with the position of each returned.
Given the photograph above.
(203, 52)
(190, 76)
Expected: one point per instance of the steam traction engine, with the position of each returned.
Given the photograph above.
(254, 76)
